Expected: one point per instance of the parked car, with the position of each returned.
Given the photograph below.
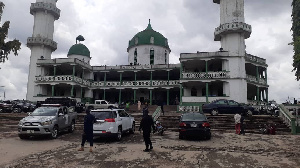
(47, 120)
(223, 106)
(101, 104)
(112, 123)
(194, 125)
(7, 106)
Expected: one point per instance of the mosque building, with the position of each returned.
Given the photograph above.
(229, 73)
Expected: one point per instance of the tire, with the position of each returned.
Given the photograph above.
(72, 127)
(54, 132)
(119, 134)
(111, 107)
(249, 113)
(23, 136)
(214, 112)
(208, 137)
(181, 136)
(132, 130)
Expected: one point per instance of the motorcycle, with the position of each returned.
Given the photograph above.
(269, 129)
(159, 128)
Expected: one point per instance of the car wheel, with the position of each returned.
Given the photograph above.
(208, 136)
(119, 134)
(180, 136)
(132, 130)
(54, 132)
(72, 127)
(249, 113)
(111, 107)
(214, 112)
(23, 136)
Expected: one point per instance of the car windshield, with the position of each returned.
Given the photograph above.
(193, 117)
(45, 111)
(102, 115)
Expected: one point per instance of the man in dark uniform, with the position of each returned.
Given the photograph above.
(87, 135)
(146, 124)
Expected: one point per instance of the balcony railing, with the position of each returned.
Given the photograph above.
(89, 83)
(253, 79)
(204, 75)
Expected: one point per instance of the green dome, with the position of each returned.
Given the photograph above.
(144, 38)
(79, 49)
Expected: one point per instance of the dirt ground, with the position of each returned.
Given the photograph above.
(223, 150)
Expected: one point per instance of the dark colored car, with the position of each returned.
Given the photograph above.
(194, 125)
(223, 106)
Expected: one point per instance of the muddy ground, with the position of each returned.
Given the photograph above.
(223, 150)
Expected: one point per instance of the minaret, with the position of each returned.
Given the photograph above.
(41, 43)
(232, 33)
(233, 30)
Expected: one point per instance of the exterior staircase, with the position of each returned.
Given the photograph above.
(170, 120)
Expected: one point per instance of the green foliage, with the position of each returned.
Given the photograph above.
(296, 36)
(10, 46)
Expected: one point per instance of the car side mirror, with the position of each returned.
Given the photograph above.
(29, 114)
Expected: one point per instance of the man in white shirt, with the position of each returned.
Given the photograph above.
(237, 119)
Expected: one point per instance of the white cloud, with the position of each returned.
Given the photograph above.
(189, 26)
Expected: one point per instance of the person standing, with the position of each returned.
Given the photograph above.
(87, 135)
(237, 120)
(242, 124)
(145, 109)
(139, 105)
(145, 125)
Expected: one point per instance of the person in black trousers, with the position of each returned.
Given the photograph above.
(87, 135)
(146, 124)
(242, 124)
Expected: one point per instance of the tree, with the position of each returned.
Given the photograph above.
(296, 36)
(10, 46)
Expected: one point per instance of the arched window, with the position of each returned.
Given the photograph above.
(151, 56)
(152, 40)
(193, 91)
(135, 57)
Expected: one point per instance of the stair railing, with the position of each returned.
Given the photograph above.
(156, 113)
(287, 118)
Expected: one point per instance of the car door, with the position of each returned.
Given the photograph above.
(234, 107)
(222, 106)
(125, 119)
(61, 119)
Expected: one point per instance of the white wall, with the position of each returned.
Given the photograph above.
(231, 11)
(143, 54)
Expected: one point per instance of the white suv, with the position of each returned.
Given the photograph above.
(112, 123)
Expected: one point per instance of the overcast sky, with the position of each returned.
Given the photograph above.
(108, 25)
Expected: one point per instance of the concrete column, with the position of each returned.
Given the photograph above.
(151, 79)
(180, 94)
(74, 70)
(72, 91)
(104, 79)
(53, 91)
(206, 89)
(168, 96)
(120, 96)
(54, 70)
(257, 93)
(151, 95)
(104, 94)
(257, 74)
(134, 96)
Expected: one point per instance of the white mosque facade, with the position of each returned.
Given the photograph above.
(229, 73)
